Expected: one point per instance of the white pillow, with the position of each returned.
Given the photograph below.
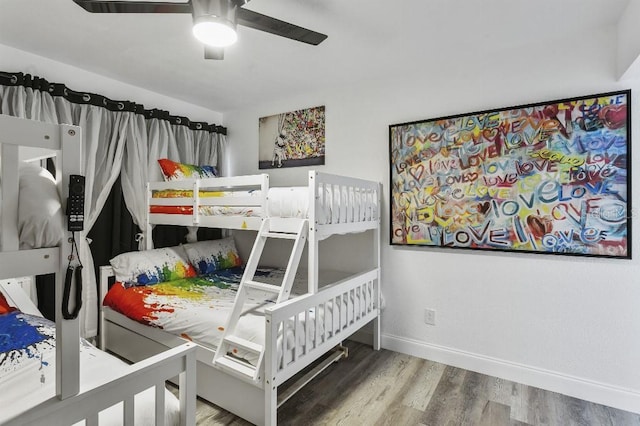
(40, 218)
(213, 255)
(152, 266)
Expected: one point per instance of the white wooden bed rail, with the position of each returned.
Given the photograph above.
(231, 184)
(337, 204)
(340, 205)
(152, 372)
(333, 314)
(21, 263)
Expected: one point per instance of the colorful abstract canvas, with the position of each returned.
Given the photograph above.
(292, 139)
(552, 177)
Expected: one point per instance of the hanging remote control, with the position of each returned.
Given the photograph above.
(75, 203)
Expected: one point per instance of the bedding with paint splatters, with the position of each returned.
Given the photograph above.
(197, 308)
(27, 370)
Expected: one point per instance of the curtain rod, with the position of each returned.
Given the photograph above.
(58, 89)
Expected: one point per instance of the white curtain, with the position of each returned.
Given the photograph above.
(176, 142)
(103, 140)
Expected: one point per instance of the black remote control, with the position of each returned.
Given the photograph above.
(75, 203)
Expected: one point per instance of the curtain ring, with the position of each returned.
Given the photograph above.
(14, 79)
(199, 126)
(120, 106)
(178, 120)
(86, 97)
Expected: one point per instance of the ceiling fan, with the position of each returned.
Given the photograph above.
(214, 21)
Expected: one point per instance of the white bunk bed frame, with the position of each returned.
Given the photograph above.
(357, 297)
(69, 406)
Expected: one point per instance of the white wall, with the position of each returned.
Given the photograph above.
(628, 52)
(14, 60)
(567, 324)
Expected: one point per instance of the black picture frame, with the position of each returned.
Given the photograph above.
(551, 177)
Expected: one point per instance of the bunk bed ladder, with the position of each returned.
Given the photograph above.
(222, 358)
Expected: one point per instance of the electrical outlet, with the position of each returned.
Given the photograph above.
(430, 316)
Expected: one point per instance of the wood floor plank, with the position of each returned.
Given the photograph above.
(476, 391)
(494, 414)
(538, 406)
(574, 411)
(385, 388)
(623, 418)
(421, 390)
(400, 415)
(599, 414)
(447, 401)
(519, 403)
(337, 380)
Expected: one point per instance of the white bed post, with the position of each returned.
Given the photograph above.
(146, 228)
(376, 254)
(67, 331)
(9, 215)
(312, 263)
(187, 390)
(270, 369)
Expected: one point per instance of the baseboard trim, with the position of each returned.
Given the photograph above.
(589, 390)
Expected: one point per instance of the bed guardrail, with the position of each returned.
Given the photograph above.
(321, 320)
(342, 204)
(151, 372)
(190, 195)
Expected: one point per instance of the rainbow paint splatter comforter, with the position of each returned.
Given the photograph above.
(27, 370)
(196, 308)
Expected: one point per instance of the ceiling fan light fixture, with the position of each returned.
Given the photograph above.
(215, 31)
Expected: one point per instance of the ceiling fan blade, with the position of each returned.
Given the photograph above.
(258, 21)
(100, 6)
(211, 52)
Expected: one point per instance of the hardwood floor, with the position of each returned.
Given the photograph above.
(388, 388)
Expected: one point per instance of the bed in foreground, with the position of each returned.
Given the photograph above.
(47, 373)
(27, 376)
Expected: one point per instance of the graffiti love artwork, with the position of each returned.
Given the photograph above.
(552, 177)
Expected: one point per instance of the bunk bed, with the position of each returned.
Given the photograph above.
(34, 392)
(316, 319)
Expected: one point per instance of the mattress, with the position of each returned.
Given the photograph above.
(27, 372)
(281, 202)
(197, 308)
(285, 202)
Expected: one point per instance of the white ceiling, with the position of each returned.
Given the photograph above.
(369, 40)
